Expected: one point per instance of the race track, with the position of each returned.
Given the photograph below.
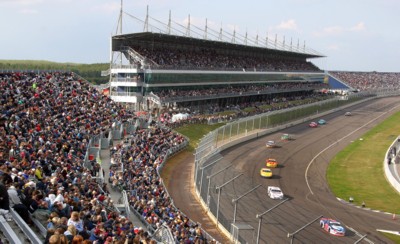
(301, 176)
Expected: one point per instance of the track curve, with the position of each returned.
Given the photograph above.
(302, 177)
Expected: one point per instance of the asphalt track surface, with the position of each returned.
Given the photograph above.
(301, 176)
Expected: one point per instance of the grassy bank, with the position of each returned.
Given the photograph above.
(357, 171)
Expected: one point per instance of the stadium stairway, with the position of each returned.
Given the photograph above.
(115, 194)
(15, 231)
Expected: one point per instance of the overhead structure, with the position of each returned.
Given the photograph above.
(144, 64)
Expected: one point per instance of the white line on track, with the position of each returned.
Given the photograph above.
(316, 156)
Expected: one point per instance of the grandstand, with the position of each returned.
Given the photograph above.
(193, 67)
(58, 122)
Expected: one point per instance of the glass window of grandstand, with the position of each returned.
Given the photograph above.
(125, 90)
(127, 77)
(245, 77)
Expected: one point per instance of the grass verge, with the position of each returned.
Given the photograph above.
(357, 171)
(194, 132)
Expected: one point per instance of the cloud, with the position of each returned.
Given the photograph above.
(28, 11)
(358, 27)
(338, 30)
(287, 25)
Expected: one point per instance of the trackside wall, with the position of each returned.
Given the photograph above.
(390, 164)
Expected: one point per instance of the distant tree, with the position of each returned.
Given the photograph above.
(90, 72)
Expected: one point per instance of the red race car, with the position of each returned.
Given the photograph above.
(313, 124)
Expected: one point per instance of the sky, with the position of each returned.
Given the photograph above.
(353, 35)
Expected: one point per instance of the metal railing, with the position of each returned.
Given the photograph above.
(25, 228)
(126, 203)
(8, 231)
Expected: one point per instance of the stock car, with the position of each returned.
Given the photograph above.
(275, 192)
(347, 114)
(266, 173)
(332, 226)
(286, 137)
(321, 122)
(271, 144)
(313, 125)
(271, 163)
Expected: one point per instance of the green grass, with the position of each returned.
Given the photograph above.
(395, 238)
(195, 132)
(357, 171)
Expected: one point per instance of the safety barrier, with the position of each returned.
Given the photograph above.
(390, 164)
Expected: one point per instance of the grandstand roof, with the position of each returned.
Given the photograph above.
(173, 41)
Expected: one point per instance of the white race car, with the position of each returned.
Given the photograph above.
(271, 144)
(275, 192)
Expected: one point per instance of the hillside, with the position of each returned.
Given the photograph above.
(91, 72)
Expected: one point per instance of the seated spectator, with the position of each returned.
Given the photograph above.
(77, 222)
(70, 233)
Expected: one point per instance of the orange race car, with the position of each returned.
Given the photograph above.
(271, 162)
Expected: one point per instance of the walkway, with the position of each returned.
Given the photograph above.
(115, 194)
(179, 182)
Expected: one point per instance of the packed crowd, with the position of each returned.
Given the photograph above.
(47, 120)
(214, 113)
(45, 126)
(364, 81)
(142, 155)
(212, 60)
(235, 90)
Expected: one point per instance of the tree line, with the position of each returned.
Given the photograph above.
(90, 72)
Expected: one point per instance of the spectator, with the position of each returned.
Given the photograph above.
(70, 233)
(4, 201)
(77, 222)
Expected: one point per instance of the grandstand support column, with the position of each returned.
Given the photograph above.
(169, 23)
(146, 22)
(120, 18)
